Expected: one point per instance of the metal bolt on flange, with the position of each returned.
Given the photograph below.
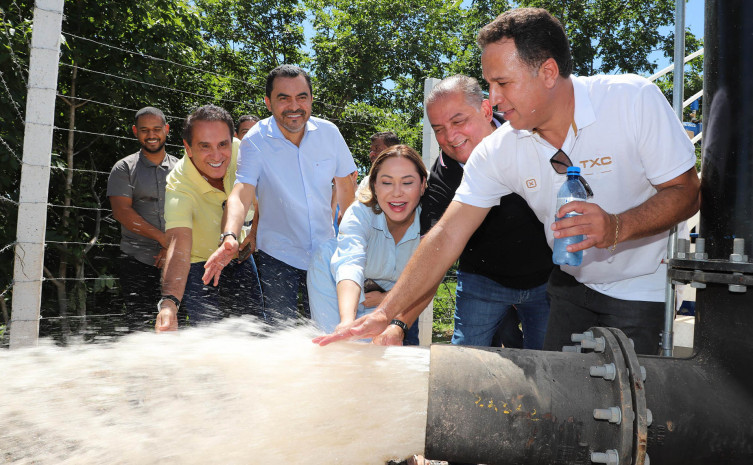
(738, 255)
(613, 414)
(575, 348)
(610, 457)
(700, 249)
(649, 419)
(683, 248)
(608, 371)
(598, 344)
(578, 337)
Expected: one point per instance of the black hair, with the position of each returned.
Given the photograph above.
(388, 137)
(288, 71)
(537, 34)
(207, 113)
(149, 111)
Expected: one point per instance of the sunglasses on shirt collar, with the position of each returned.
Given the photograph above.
(561, 162)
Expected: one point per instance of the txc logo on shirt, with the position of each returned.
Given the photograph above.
(598, 161)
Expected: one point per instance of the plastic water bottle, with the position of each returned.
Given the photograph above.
(570, 191)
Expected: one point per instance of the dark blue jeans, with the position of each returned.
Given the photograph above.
(481, 304)
(281, 284)
(238, 293)
(576, 307)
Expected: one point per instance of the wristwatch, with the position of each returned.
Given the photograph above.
(171, 298)
(224, 235)
(401, 325)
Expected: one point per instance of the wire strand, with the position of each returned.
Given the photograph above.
(150, 84)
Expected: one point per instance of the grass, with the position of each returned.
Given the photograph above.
(444, 308)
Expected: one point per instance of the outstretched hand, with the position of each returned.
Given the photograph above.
(218, 260)
(368, 326)
(597, 226)
(392, 336)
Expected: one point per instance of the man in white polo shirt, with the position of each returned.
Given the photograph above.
(632, 151)
(288, 162)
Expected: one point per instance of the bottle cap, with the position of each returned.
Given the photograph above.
(575, 170)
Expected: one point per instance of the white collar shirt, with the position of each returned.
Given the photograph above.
(293, 186)
(628, 140)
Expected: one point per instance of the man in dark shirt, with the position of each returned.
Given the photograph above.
(506, 263)
(136, 188)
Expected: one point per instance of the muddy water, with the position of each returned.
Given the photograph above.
(226, 394)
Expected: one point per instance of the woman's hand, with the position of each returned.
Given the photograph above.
(368, 326)
(344, 323)
(373, 298)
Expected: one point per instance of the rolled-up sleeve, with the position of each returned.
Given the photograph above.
(349, 259)
(249, 163)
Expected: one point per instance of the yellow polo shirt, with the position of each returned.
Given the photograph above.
(190, 202)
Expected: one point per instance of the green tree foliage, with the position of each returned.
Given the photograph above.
(247, 39)
(609, 36)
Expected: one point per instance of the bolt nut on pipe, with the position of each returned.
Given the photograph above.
(597, 345)
(649, 419)
(612, 414)
(610, 457)
(575, 348)
(738, 256)
(608, 371)
(576, 337)
(700, 249)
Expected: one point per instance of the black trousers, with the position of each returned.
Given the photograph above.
(575, 308)
(141, 290)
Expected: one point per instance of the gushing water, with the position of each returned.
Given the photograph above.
(224, 394)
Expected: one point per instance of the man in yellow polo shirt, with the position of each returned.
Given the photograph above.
(197, 189)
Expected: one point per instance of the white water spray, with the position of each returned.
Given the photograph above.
(223, 394)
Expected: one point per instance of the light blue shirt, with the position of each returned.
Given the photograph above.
(293, 186)
(364, 248)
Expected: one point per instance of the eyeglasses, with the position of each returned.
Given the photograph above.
(561, 162)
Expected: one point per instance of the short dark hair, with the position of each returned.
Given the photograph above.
(245, 118)
(368, 196)
(388, 137)
(149, 111)
(537, 34)
(288, 71)
(207, 113)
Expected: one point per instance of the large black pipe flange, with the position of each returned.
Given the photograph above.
(519, 406)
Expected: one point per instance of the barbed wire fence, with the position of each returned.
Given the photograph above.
(94, 241)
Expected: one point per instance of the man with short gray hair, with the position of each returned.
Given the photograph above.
(505, 265)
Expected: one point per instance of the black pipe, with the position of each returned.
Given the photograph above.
(727, 209)
(689, 411)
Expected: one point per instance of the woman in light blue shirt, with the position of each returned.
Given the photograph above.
(350, 274)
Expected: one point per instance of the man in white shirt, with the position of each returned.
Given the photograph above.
(287, 162)
(632, 150)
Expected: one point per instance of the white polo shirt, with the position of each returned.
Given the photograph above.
(628, 140)
(293, 186)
